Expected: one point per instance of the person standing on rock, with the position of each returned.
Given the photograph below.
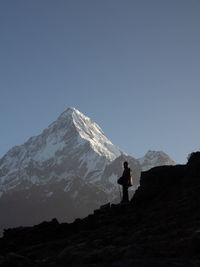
(126, 182)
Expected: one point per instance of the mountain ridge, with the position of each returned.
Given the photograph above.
(160, 227)
(70, 162)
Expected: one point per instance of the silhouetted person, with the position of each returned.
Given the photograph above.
(125, 182)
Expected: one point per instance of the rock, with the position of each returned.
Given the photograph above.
(105, 206)
(195, 242)
(132, 251)
(1, 259)
(98, 243)
(16, 260)
(65, 256)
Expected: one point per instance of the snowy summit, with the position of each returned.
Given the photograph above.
(90, 131)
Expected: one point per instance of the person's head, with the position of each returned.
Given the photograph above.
(125, 164)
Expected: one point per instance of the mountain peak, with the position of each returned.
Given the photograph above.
(68, 112)
(155, 158)
(88, 130)
(151, 153)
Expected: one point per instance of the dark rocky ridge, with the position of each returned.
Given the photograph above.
(160, 227)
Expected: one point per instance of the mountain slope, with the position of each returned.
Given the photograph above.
(160, 227)
(73, 136)
(59, 173)
(67, 171)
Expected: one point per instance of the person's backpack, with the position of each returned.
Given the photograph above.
(130, 180)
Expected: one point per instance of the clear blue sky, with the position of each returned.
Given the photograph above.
(133, 66)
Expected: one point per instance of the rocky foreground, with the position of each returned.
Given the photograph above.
(160, 227)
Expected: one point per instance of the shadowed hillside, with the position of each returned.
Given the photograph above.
(160, 227)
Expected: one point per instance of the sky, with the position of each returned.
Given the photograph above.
(132, 66)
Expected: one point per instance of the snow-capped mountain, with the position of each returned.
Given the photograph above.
(66, 172)
(153, 159)
(73, 144)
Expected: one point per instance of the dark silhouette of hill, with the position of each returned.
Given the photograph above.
(160, 227)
